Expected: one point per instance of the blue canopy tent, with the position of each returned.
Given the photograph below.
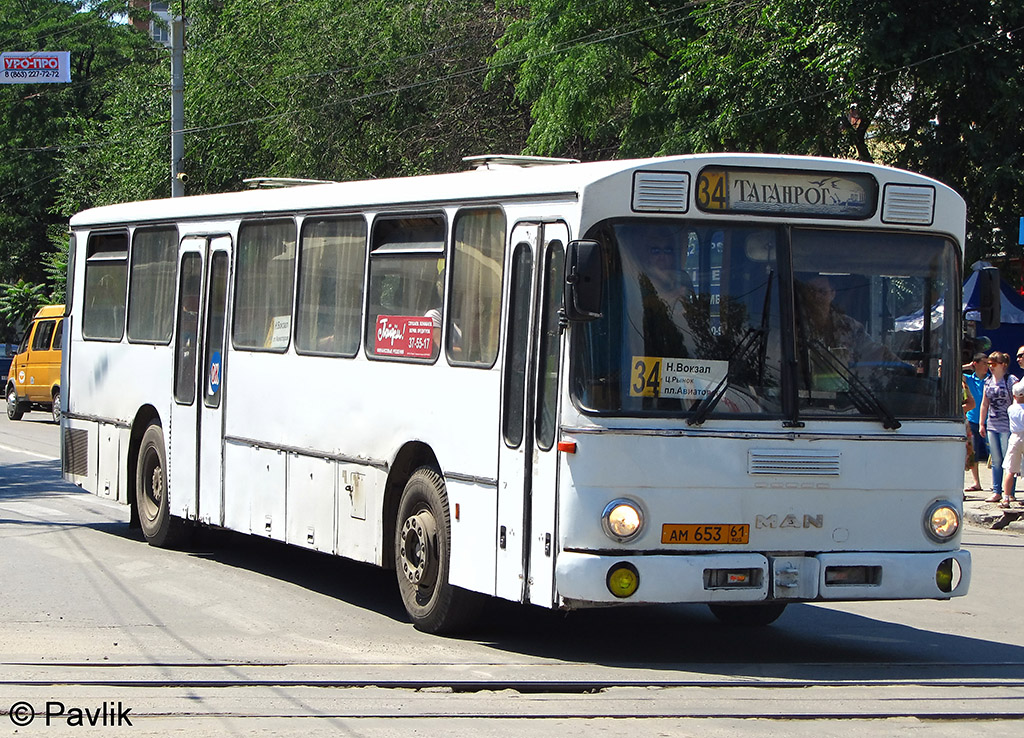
(1009, 336)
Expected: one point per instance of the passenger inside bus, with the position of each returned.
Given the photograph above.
(834, 336)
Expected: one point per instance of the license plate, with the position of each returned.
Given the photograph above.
(708, 534)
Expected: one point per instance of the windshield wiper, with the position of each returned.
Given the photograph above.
(705, 406)
(863, 398)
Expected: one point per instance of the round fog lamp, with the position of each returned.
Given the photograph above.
(622, 520)
(623, 580)
(942, 521)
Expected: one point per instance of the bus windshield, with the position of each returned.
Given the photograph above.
(707, 319)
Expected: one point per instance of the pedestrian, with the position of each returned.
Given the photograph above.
(993, 421)
(974, 376)
(1015, 448)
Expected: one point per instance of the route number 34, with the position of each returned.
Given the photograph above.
(711, 191)
(646, 377)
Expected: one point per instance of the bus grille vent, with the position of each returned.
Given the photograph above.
(661, 192)
(803, 463)
(76, 452)
(908, 204)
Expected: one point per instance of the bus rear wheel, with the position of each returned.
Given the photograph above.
(760, 614)
(422, 557)
(158, 525)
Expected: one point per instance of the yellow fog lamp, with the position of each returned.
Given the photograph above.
(948, 575)
(623, 579)
(942, 522)
(622, 520)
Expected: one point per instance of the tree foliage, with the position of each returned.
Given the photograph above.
(39, 122)
(930, 85)
(340, 90)
(343, 89)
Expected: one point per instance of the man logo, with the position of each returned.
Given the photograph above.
(789, 521)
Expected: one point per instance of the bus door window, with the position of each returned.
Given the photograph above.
(519, 339)
(214, 354)
(547, 366)
(185, 352)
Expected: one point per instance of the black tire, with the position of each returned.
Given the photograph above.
(55, 408)
(151, 495)
(760, 614)
(15, 409)
(422, 554)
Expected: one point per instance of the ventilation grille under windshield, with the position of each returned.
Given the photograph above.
(908, 204)
(788, 463)
(661, 192)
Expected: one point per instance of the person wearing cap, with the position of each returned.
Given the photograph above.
(1015, 448)
(974, 377)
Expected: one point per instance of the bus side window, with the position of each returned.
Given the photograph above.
(332, 259)
(151, 289)
(474, 311)
(106, 286)
(407, 270)
(264, 285)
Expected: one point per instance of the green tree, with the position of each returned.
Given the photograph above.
(41, 122)
(19, 302)
(928, 85)
(341, 90)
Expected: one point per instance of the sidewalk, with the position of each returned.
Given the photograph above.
(989, 514)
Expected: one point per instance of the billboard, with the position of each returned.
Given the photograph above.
(34, 67)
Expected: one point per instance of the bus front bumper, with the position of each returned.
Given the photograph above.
(751, 577)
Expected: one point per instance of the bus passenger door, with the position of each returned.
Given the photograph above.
(526, 533)
(211, 385)
(194, 443)
(543, 497)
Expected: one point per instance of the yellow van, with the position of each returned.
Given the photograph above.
(34, 377)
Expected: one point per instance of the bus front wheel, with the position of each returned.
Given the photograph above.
(422, 557)
(158, 525)
(764, 613)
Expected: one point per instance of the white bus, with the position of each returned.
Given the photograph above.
(741, 402)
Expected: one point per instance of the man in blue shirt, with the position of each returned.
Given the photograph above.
(975, 381)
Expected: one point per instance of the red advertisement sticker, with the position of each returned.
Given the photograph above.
(404, 336)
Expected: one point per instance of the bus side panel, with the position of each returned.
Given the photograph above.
(359, 522)
(473, 511)
(310, 501)
(112, 382)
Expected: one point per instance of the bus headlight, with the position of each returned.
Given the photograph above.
(942, 522)
(622, 520)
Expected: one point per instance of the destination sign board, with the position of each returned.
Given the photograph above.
(779, 192)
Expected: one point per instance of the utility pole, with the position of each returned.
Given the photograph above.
(178, 176)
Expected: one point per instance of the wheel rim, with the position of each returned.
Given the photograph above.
(56, 407)
(418, 552)
(152, 484)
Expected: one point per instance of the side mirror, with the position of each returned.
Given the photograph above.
(989, 298)
(584, 278)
